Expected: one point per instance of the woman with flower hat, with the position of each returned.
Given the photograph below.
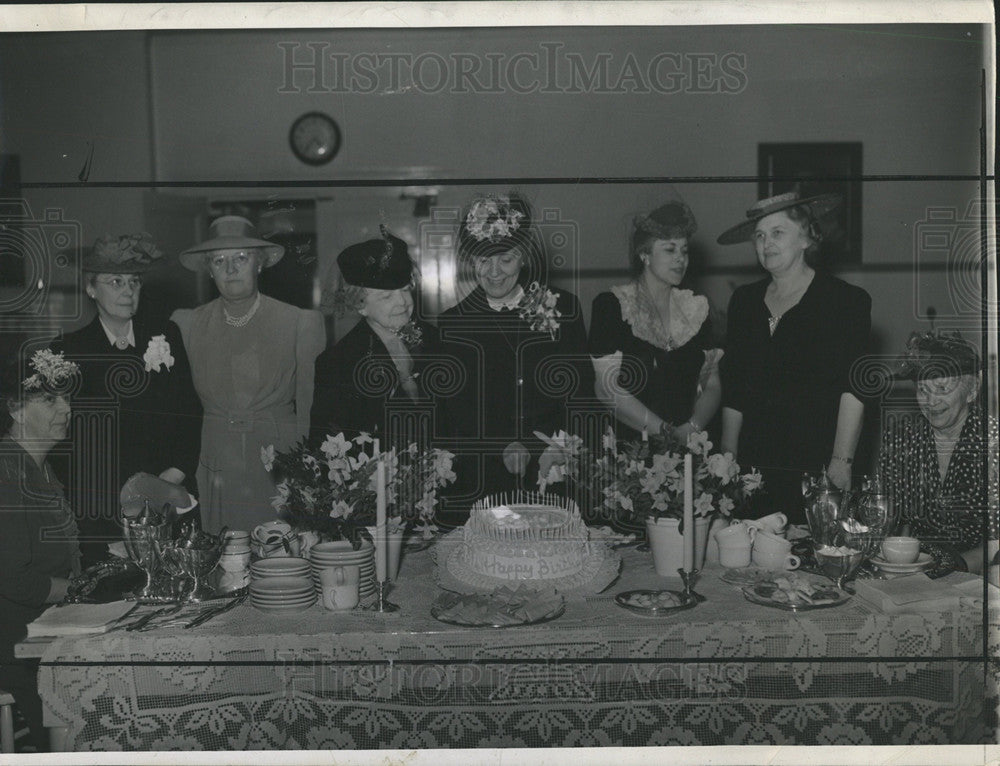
(38, 537)
(382, 359)
(252, 360)
(790, 404)
(651, 340)
(940, 469)
(135, 385)
(521, 347)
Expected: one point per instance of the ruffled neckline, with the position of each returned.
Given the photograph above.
(688, 313)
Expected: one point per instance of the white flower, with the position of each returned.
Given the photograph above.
(608, 441)
(492, 218)
(157, 353)
(340, 510)
(50, 369)
(703, 505)
(698, 443)
(279, 501)
(538, 308)
(752, 481)
(267, 457)
(726, 505)
(722, 466)
(335, 446)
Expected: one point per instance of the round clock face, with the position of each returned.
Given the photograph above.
(315, 138)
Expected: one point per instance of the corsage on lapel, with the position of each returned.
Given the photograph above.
(538, 308)
(157, 353)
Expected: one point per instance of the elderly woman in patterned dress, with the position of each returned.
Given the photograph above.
(940, 470)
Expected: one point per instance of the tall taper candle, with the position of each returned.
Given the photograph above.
(688, 514)
(381, 554)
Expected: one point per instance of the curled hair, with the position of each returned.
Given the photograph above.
(673, 220)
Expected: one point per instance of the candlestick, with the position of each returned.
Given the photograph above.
(645, 434)
(688, 514)
(381, 554)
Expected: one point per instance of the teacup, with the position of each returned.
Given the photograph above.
(340, 587)
(236, 538)
(735, 554)
(271, 531)
(778, 561)
(231, 561)
(738, 530)
(900, 550)
(767, 542)
(775, 523)
(288, 545)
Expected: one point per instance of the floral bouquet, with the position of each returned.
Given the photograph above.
(645, 479)
(538, 308)
(331, 489)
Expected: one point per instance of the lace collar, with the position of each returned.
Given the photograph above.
(687, 314)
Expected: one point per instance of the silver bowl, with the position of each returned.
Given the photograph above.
(142, 544)
(193, 564)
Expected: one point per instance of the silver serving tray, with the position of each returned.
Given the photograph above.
(688, 601)
(788, 606)
(438, 612)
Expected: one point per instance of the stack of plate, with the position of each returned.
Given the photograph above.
(340, 553)
(280, 567)
(282, 594)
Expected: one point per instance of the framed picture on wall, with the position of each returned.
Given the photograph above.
(819, 168)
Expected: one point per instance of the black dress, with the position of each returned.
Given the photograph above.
(357, 389)
(666, 381)
(512, 381)
(788, 386)
(125, 420)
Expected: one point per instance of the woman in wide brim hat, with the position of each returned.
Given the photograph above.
(252, 362)
(133, 364)
(382, 359)
(789, 402)
(938, 467)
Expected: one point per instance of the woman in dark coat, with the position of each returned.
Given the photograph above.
(789, 404)
(521, 348)
(374, 377)
(137, 409)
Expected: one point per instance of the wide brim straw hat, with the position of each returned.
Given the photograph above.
(230, 232)
(818, 206)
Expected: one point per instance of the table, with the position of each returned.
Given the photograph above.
(726, 672)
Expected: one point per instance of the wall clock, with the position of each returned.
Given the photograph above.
(314, 138)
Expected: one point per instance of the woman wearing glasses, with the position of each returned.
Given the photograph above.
(136, 408)
(252, 359)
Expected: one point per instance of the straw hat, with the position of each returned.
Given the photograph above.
(230, 232)
(818, 206)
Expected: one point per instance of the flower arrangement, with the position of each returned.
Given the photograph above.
(127, 248)
(331, 489)
(538, 308)
(492, 218)
(52, 372)
(645, 479)
(157, 353)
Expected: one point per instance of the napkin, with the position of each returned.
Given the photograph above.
(910, 594)
(78, 619)
(970, 589)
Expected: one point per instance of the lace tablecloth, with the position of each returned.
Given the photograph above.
(726, 672)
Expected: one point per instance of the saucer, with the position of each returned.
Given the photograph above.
(924, 561)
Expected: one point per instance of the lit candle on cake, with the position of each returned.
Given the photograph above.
(380, 536)
(688, 514)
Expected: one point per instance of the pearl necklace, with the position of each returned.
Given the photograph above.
(243, 320)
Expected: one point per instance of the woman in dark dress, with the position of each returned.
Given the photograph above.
(38, 544)
(522, 350)
(650, 340)
(370, 380)
(137, 409)
(789, 405)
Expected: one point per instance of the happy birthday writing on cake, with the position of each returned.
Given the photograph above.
(524, 569)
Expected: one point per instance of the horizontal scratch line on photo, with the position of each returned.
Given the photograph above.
(501, 181)
(524, 661)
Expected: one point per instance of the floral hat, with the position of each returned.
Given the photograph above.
(494, 225)
(670, 221)
(230, 232)
(124, 254)
(52, 374)
(818, 206)
(937, 355)
(383, 264)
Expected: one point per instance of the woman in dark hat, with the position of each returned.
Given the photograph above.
(789, 404)
(382, 359)
(938, 469)
(38, 544)
(136, 409)
(522, 347)
(252, 362)
(650, 340)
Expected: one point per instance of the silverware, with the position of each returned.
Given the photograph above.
(146, 618)
(210, 613)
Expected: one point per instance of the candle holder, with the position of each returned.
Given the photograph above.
(689, 579)
(381, 604)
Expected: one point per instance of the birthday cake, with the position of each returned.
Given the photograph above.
(539, 539)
